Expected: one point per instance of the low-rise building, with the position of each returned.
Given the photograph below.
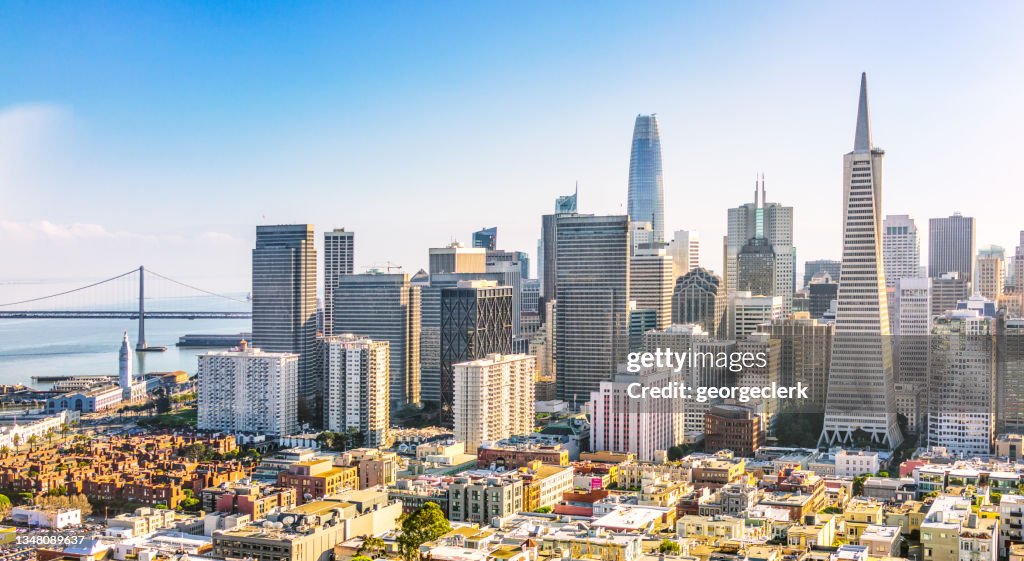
(43, 517)
(881, 541)
(317, 478)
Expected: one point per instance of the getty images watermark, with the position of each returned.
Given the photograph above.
(696, 361)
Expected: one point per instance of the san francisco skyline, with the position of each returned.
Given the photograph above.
(409, 136)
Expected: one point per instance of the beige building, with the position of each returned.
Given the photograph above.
(952, 532)
(651, 282)
(494, 398)
(481, 496)
(990, 272)
(308, 532)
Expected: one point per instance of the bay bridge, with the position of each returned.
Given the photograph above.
(124, 296)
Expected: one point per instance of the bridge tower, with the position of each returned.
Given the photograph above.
(140, 345)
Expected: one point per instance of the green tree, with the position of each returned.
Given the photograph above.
(858, 484)
(675, 453)
(669, 546)
(422, 525)
(190, 504)
(372, 548)
(543, 510)
(5, 506)
(361, 558)
(32, 441)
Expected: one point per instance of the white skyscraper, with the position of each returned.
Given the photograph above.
(494, 398)
(912, 327)
(685, 251)
(962, 405)
(627, 424)
(901, 248)
(651, 283)
(248, 390)
(860, 391)
(772, 222)
(990, 269)
(339, 259)
(357, 370)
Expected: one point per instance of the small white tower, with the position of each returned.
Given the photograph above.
(124, 371)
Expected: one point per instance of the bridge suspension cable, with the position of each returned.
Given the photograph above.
(73, 290)
(196, 288)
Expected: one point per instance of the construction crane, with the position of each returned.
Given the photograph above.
(385, 266)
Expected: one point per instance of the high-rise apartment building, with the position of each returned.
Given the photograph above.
(357, 370)
(249, 391)
(952, 246)
(508, 265)
(860, 388)
(651, 283)
(685, 251)
(486, 238)
(454, 258)
(385, 307)
(476, 320)
(901, 248)
(646, 197)
(591, 335)
(989, 281)
(493, 398)
(699, 297)
(962, 403)
(339, 259)
(284, 305)
(622, 423)
(772, 225)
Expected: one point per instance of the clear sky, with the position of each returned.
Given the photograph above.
(163, 132)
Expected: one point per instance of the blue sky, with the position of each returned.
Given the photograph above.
(162, 133)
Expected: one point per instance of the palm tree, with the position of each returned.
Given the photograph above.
(49, 436)
(32, 441)
(5, 451)
(64, 430)
(17, 442)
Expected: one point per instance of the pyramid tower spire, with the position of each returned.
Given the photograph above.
(862, 141)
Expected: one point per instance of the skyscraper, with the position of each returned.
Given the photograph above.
(385, 307)
(685, 251)
(486, 238)
(990, 272)
(812, 268)
(454, 258)
(962, 366)
(591, 337)
(699, 298)
(357, 373)
(912, 329)
(284, 305)
(952, 246)
(771, 226)
(860, 390)
(901, 248)
(546, 268)
(339, 259)
(430, 326)
(651, 283)
(476, 320)
(646, 202)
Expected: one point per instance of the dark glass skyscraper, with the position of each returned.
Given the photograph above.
(284, 304)
(646, 192)
(476, 320)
